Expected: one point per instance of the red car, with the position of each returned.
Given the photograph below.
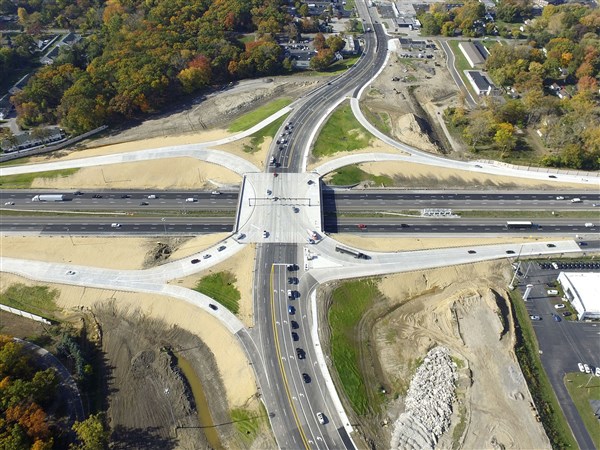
(362, 226)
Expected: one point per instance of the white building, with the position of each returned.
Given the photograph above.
(581, 289)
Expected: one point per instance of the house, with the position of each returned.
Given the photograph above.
(68, 40)
(19, 85)
(480, 83)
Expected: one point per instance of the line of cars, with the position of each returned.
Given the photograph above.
(586, 265)
(586, 368)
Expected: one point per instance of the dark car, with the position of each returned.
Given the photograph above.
(510, 252)
(300, 353)
(306, 377)
(77, 193)
(556, 318)
(294, 324)
(96, 196)
(291, 310)
(211, 306)
(551, 176)
(144, 204)
(550, 245)
(567, 313)
(125, 196)
(292, 267)
(471, 252)
(221, 248)
(292, 280)
(195, 261)
(295, 336)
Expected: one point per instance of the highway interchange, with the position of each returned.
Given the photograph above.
(291, 400)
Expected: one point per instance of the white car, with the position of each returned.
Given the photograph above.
(216, 193)
(597, 371)
(9, 203)
(115, 225)
(587, 368)
(560, 197)
(265, 233)
(321, 418)
(535, 317)
(70, 272)
(581, 368)
(560, 306)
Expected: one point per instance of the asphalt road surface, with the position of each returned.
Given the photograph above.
(562, 344)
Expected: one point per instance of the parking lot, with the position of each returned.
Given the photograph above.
(563, 343)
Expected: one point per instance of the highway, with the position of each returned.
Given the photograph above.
(338, 200)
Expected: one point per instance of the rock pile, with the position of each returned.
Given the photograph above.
(428, 403)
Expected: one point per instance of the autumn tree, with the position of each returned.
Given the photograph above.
(91, 433)
(504, 137)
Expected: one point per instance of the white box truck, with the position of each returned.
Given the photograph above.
(48, 198)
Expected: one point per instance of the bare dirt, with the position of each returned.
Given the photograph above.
(464, 309)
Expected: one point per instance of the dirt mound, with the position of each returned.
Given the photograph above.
(412, 131)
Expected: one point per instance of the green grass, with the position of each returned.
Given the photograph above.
(39, 300)
(339, 66)
(247, 38)
(341, 133)
(250, 119)
(351, 175)
(349, 302)
(258, 138)
(380, 120)
(16, 162)
(527, 351)
(349, 6)
(23, 181)
(460, 427)
(221, 287)
(582, 389)
(248, 422)
(534, 214)
(461, 64)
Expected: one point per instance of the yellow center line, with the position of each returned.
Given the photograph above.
(285, 382)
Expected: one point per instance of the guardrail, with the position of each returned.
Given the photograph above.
(25, 314)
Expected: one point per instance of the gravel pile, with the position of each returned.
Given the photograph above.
(428, 403)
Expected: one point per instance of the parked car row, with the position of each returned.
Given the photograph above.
(585, 265)
(586, 368)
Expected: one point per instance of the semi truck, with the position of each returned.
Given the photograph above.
(48, 198)
(347, 251)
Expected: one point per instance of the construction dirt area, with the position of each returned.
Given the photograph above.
(465, 309)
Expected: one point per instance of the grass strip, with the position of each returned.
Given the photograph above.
(349, 303)
(527, 351)
(350, 175)
(341, 133)
(24, 180)
(249, 422)
(584, 387)
(39, 300)
(252, 118)
(258, 138)
(221, 287)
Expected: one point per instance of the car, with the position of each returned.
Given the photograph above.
(265, 233)
(295, 336)
(535, 317)
(550, 245)
(510, 252)
(292, 267)
(320, 415)
(70, 272)
(566, 313)
(478, 166)
(595, 205)
(560, 197)
(361, 226)
(597, 372)
(586, 368)
(144, 204)
(291, 310)
(292, 280)
(551, 176)
(300, 353)
(221, 248)
(125, 196)
(560, 306)
(471, 252)
(77, 193)
(290, 294)
(213, 307)
(9, 203)
(294, 324)
(96, 196)
(208, 255)
(269, 191)
(309, 182)
(295, 209)
(556, 318)
(581, 368)
(306, 377)
(215, 193)
(195, 261)
(115, 225)
(241, 236)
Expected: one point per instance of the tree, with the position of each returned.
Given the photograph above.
(322, 59)
(198, 74)
(319, 42)
(303, 10)
(504, 137)
(91, 433)
(480, 127)
(335, 43)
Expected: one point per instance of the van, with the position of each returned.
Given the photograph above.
(552, 292)
(589, 225)
(152, 196)
(576, 200)
(190, 200)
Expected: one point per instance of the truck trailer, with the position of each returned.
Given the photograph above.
(48, 198)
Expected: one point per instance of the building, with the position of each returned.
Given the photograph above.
(480, 83)
(408, 22)
(351, 46)
(581, 289)
(475, 53)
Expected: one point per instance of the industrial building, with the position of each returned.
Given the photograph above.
(581, 289)
(474, 53)
(480, 83)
